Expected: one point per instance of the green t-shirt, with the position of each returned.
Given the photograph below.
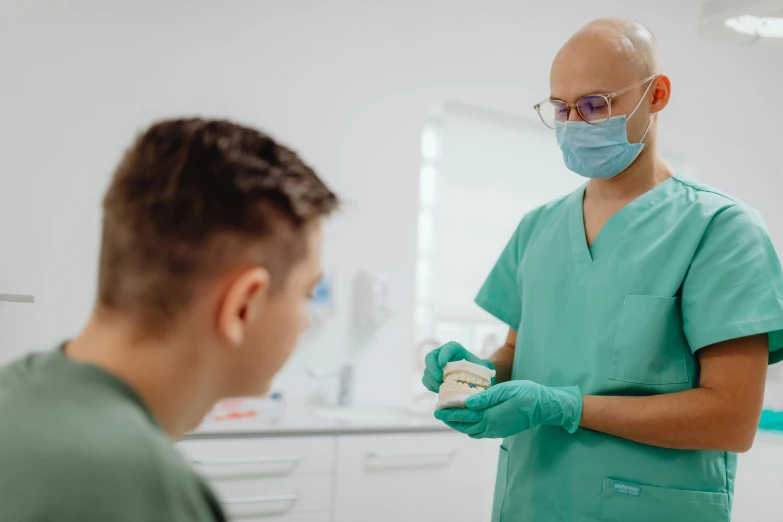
(78, 445)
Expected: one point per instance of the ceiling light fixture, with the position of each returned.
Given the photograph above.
(756, 26)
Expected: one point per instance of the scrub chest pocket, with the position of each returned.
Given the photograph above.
(649, 345)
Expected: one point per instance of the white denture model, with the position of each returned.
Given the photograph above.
(462, 379)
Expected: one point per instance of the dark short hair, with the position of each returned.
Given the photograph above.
(193, 197)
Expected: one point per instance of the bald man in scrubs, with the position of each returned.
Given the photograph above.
(643, 309)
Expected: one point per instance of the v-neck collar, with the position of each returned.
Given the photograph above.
(613, 228)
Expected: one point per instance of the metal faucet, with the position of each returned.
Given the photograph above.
(344, 377)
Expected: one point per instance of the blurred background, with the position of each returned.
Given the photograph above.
(420, 115)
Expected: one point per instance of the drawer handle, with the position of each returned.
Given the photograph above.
(260, 500)
(17, 298)
(248, 462)
(395, 456)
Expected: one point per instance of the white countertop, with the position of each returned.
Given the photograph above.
(310, 421)
(300, 420)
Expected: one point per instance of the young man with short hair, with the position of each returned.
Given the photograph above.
(210, 249)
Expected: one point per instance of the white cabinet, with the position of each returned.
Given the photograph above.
(269, 480)
(348, 478)
(415, 478)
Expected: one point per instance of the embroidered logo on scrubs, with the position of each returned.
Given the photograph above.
(627, 489)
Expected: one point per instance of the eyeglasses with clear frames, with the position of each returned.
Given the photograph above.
(593, 108)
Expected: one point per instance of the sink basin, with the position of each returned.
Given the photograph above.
(363, 415)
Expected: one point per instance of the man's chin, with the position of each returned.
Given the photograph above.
(264, 389)
(258, 389)
(255, 390)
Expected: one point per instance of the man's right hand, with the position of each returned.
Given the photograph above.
(439, 357)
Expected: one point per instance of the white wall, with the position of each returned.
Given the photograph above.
(347, 83)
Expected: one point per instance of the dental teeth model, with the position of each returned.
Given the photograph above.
(461, 379)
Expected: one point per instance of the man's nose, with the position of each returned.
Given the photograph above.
(573, 115)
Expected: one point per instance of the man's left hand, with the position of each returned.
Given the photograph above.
(513, 407)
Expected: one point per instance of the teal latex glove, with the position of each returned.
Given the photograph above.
(513, 407)
(437, 359)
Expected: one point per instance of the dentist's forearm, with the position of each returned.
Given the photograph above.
(722, 414)
(699, 419)
(503, 358)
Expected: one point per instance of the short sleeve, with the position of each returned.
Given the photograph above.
(734, 286)
(500, 294)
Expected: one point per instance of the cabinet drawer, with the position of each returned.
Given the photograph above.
(237, 459)
(415, 477)
(276, 496)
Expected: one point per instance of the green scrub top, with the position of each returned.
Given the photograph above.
(77, 444)
(680, 268)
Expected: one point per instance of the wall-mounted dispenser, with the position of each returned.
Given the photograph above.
(372, 307)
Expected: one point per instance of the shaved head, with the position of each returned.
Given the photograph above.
(608, 50)
(629, 38)
(606, 56)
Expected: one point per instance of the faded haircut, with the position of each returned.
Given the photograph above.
(193, 198)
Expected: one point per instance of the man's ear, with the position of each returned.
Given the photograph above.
(242, 303)
(661, 93)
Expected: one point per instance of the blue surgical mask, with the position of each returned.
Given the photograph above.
(599, 151)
